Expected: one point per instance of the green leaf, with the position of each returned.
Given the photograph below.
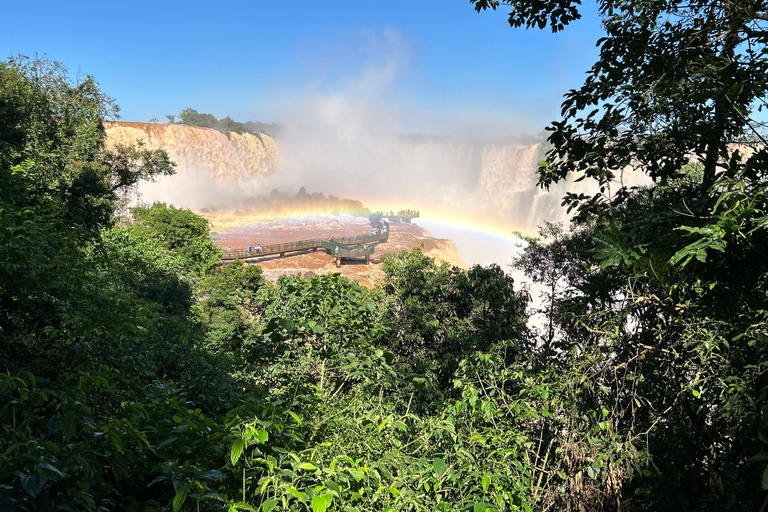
(764, 483)
(240, 505)
(268, 505)
(180, 498)
(439, 466)
(68, 426)
(213, 474)
(296, 493)
(52, 468)
(737, 88)
(237, 450)
(295, 417)
(307, 466)
(486, 482)
(321, 503)
(33, 484)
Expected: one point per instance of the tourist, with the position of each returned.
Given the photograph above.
(250, 250)
(229, 250)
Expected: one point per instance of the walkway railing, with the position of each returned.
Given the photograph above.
(272, 249)
(344, 251)
(395, 216)
(351, 245)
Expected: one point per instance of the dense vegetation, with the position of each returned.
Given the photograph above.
(140, 375)
(278, 203)
(192, 117)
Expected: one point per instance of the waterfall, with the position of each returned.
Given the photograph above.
(486, 181)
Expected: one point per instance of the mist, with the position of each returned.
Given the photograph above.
(345, 132)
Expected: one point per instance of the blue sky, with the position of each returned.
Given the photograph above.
(417, 67)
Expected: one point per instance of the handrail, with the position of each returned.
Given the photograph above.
(344, 251)
(349, 246)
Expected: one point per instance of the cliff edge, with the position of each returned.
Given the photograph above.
(228, 159)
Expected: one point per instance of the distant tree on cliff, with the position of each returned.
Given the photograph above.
(226, 125)
(192, 117)
(171, 118)
(271, 129)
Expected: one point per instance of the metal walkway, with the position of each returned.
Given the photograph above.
(395, 216)
(348, 247)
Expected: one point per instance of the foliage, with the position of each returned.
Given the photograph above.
(192, 117)
(440, 313)
(180, 231)
(662, 304)
(139, 374)
(673, 79)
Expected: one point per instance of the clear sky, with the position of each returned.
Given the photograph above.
(431, 66)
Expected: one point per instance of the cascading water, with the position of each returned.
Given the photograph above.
(487, 182)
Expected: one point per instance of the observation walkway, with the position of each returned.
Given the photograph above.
(344, 247)
(394, 216)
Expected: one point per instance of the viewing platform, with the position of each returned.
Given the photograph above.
(344, 247)
(395, 216)
(340, 250)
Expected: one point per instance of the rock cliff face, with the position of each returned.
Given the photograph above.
(227, 159)
(500, 181)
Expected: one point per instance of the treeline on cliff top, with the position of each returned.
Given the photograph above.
(278, 202)
(192, 117)
(139, 374)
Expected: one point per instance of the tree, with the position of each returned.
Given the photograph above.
(182, 232)
(60, 186)
(544, 260)
(674, 78)
(192, 117)
(440, 314)
(667, 319)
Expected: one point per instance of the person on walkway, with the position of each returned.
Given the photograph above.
(336, 250)
(250, 250)
(229, 250)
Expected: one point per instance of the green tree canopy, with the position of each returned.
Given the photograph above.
(674, 79)
(663, 313)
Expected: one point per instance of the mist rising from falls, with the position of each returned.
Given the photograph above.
(480, 184)
(486, 181)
